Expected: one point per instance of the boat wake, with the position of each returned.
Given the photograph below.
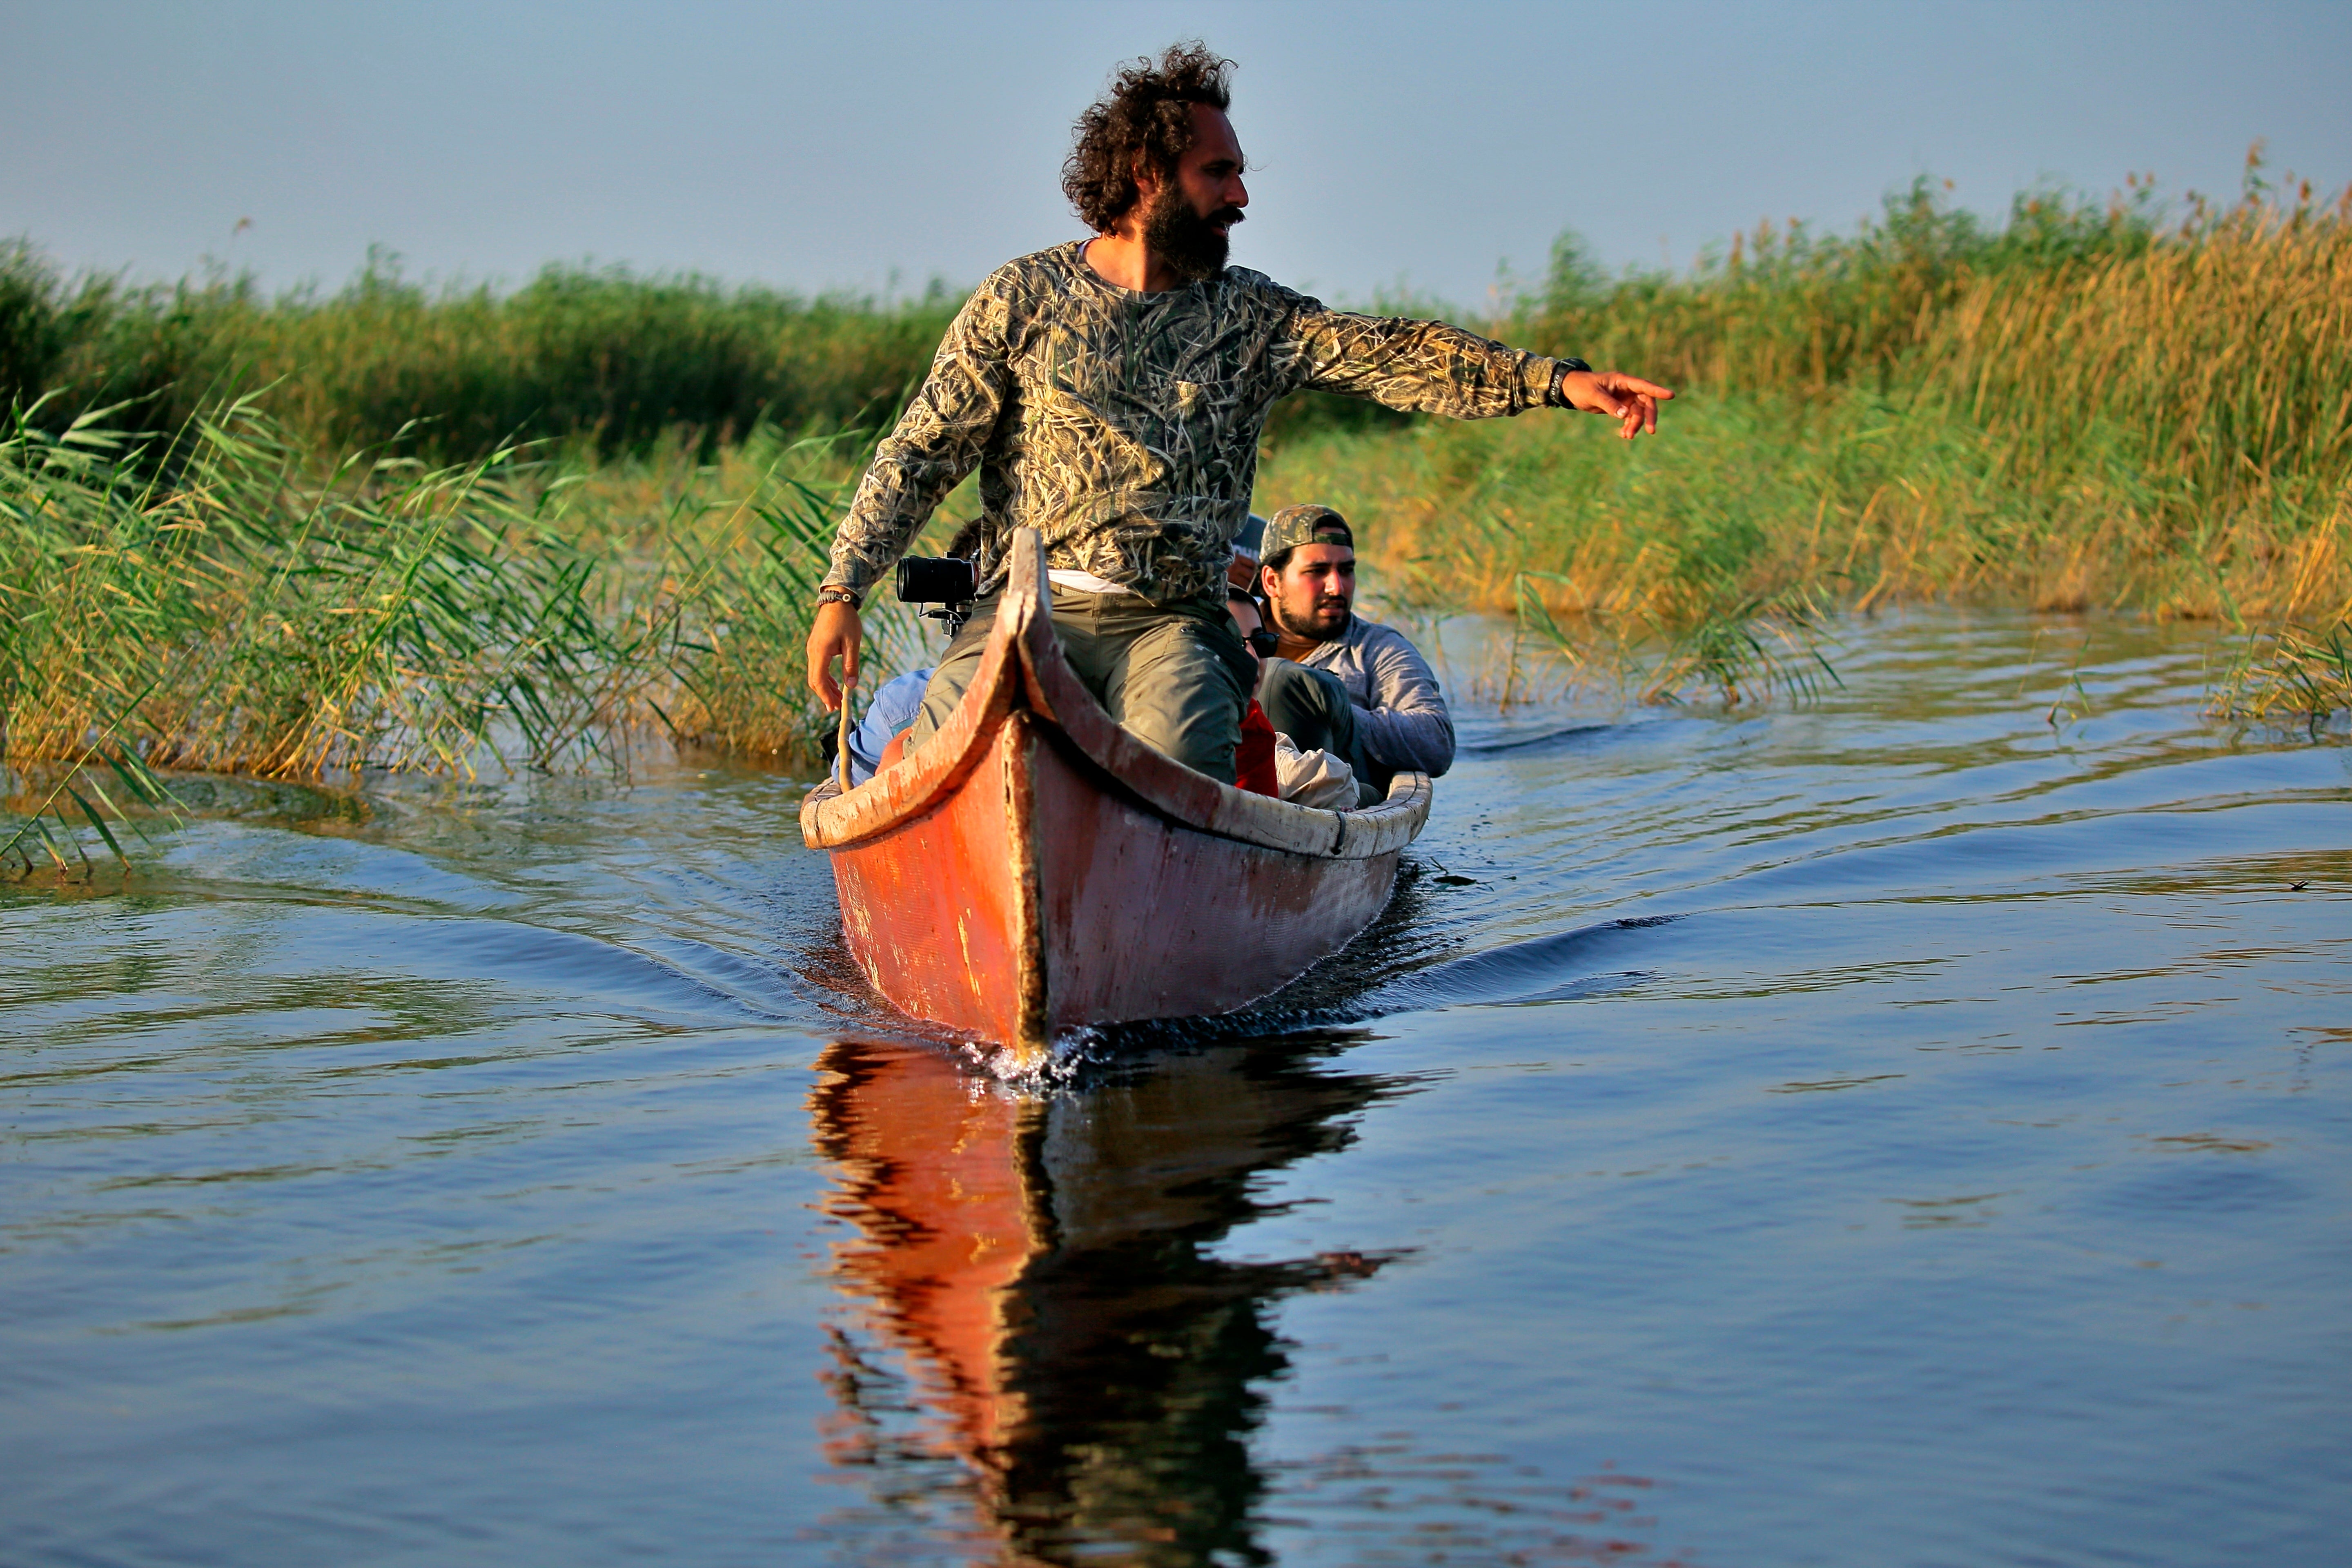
(1564, 966)
(1402, 964)
(1566, 738)
(1544, 969)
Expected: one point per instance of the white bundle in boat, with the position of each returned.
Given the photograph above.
(1313, 778)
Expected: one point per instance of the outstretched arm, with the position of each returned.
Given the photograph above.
(1432, 368)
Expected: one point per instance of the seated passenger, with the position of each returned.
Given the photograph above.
(872, 743)
(1254, 767)
(879, 740)
(1268, 762)
(1342, 684)
(1241, 570)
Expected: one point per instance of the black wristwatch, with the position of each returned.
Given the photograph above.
(1559, 374)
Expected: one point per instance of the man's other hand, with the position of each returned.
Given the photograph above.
(835, 634)
(1628, 399)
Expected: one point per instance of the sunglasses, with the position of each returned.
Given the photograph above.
(1263, 643)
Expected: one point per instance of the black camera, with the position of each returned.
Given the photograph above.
(948, 582)
(936, 580)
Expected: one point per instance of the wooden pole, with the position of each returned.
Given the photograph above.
(840, 748)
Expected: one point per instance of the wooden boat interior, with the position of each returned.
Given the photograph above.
(1023, 669)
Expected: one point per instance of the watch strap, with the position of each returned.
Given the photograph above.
(1559, 372)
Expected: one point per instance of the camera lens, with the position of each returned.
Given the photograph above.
(932, 580)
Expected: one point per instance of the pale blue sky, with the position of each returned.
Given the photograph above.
(837, 144)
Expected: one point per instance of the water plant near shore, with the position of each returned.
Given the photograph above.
(2290, 672)
(216, 602)
(2079, 411)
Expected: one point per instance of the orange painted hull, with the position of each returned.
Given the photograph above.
(1035, 867)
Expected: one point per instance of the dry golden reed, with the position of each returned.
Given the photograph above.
(2081, 412)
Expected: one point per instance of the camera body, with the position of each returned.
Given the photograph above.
(947, 581)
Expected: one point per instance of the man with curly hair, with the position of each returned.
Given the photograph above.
(1111, 392)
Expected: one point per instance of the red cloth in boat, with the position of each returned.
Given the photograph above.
(1253, 758)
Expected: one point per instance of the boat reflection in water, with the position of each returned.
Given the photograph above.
(1036, 1327)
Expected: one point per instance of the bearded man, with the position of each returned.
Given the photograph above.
(1111, 393)
(1339, 683)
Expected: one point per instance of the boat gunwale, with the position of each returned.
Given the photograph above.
(1022, 668)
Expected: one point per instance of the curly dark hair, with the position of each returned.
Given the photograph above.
(1147, 117)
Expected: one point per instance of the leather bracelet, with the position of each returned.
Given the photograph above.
(838, 597)
(1552, 398)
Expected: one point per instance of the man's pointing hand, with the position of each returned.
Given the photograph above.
(1628, 399)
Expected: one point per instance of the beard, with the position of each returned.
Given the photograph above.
(1186, 241)
(1327, 620)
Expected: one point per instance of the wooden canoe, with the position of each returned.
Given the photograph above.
(1036, 867)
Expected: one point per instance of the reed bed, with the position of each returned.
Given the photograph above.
(619, 361)
(212, 602)
(2081, 411)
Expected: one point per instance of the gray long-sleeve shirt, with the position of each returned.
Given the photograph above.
(1406, 726)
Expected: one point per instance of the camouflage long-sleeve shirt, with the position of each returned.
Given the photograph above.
(1124, 426)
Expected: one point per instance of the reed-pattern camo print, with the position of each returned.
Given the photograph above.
(1124, 426)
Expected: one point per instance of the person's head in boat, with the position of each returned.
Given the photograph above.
(1307, 570)
(1249, 623)
(1241, 570)
(1155, 169)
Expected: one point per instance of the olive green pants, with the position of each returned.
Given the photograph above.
(1312, 707)
(1178, 676)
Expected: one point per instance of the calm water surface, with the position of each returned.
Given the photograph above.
(1916, 1129)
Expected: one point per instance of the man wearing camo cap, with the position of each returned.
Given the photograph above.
(1111, 392)
(1352, 686)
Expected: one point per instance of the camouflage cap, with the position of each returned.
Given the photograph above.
(1308, 524)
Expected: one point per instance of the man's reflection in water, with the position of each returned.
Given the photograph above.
(1042, 1266)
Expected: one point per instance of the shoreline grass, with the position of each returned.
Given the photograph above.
(2082, 410)
(225, 606)
(2289, 672)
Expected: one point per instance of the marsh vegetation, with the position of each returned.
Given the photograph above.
(2085, 409)
(403, 527)
(217, 600)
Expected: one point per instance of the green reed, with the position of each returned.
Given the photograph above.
(2092, 405)
(217, 600)
(617, 358)
(2290, 672)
